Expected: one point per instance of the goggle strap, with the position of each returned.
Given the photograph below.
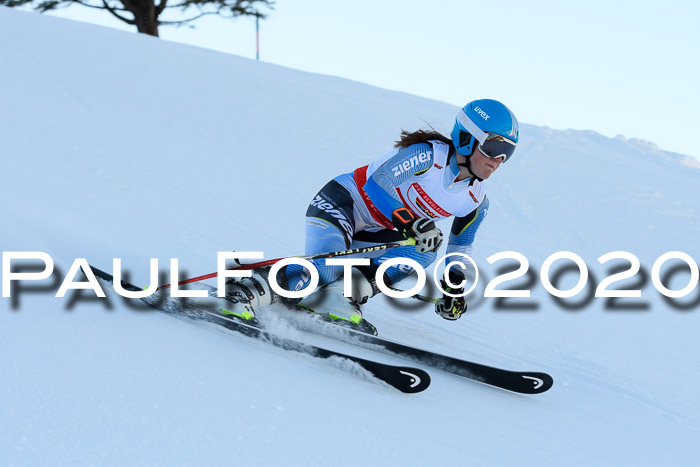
(471, 127)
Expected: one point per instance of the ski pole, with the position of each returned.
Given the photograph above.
(269, 262)
(419, 297)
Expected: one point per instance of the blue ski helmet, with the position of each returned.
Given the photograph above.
(488, 123)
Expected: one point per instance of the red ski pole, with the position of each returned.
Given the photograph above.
(269, 262)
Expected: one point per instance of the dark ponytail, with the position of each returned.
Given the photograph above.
(422, 136)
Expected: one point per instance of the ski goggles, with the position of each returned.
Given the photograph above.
(491, 145)
(497, 146)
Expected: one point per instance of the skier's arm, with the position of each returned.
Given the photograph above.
(381, 185)
(461, 238)
(464, 230)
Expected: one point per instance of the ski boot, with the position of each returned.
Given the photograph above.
(330, 305)
(244, 295)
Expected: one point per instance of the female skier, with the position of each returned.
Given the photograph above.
(427, 177)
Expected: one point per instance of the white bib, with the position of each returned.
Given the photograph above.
(425, 194)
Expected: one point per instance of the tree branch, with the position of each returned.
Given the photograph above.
(80, 2)
(161, 7)
(14, 3)
(235, 7)
(142, 10)
(47, 5)
(129, 5)
(114, 12)
(188, 3)
(192, 19)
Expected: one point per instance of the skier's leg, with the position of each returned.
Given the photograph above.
(393, 274)
(330, 301)
(396, 274)
(330, 225)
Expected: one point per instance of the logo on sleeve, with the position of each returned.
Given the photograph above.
(411, 163)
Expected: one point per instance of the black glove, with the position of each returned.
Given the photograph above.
(428, 237)
(448, 307)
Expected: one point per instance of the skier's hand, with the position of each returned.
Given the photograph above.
(448, 307)
(428, 237)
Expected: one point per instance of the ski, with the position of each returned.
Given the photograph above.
(405, 379)
(524, 382)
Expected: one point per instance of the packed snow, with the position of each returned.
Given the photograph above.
(117, 145)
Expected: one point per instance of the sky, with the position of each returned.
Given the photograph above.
(626, 68)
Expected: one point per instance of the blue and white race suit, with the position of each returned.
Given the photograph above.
(354, 209)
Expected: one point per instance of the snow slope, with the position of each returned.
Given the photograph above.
(122, 145)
